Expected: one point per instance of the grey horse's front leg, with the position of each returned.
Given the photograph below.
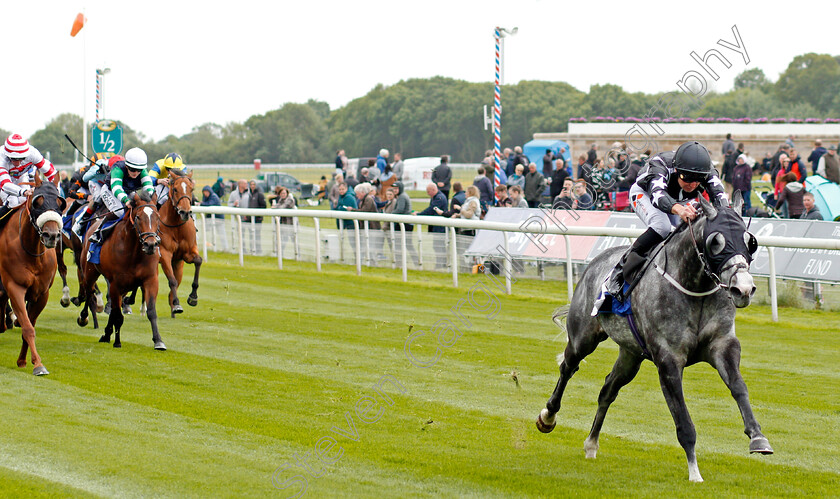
(624, 370)
(670, 379)
(726, 358)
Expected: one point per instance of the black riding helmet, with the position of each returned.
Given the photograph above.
(692, 162)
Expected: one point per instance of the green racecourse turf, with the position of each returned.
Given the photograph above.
(271, 360)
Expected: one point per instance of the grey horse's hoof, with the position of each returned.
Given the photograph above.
(126, 309)
(760, 445)
(177, 309)
(40, 371)
(75, 301)
(192, 301)
(104, 339)
(82, 322)
(65, 303)
(542, 426)
(160, 346)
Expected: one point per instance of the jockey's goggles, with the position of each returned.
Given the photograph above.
(691, 177)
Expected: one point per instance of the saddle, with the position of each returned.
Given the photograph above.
(5, 215)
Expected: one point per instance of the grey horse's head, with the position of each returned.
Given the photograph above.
(728, 248)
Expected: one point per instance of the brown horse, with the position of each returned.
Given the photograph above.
(177, 238)
(28, 263)
(128, 259)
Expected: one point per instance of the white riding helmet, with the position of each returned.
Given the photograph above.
(135, 158)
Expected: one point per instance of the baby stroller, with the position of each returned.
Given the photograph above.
(768, 201)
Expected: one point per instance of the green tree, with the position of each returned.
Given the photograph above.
(812, 78)
(51, 142)
(751, 78)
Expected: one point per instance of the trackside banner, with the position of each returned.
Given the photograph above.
(802, 264)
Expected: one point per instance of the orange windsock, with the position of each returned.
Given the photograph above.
(77, 24)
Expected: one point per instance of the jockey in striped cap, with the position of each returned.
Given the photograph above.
(18, 163)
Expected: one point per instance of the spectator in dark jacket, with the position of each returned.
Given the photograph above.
(256, 199)
(442, 176)
(629, 177)
(592, 155)
(485, 187)
(557, 178)
(437, 206)
(219, 188)
(459, 197)
(742, 181)
(791, 196)
(811, 211)
(584, 169)
(815, 155)
(548, 159)
(534, 186)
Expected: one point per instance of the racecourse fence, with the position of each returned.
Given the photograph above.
(544, 241)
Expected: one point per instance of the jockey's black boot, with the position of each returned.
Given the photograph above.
(631, 261)
(96, 237)
(5, 213)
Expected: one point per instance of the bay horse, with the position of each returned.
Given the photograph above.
(28, 263)
(684, 313)
(128, 259)
(178, 238)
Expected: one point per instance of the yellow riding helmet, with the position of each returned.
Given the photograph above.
(173, 161)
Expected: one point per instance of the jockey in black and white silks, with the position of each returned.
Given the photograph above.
(658, 197)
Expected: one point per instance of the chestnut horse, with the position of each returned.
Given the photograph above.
(28, 263)
(177, 238)
(128, 259)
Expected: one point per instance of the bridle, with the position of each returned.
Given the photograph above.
(715, 277)
(143, 236)
(34, 223)
(175, 202)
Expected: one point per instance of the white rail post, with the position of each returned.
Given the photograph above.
(454, 252)
(774, 304)
(358, 247)
(254, 250)
(340, 240)
(317, 243)
(569, 277)
(393, 246)
(279, 236)
(368, 256)
(404, 255)
(419, 246)
(204, 233)
(241, 242)
(508, 270)
(296, 227)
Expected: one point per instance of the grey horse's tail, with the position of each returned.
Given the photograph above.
(559, 318)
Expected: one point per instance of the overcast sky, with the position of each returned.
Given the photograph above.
(177, 64)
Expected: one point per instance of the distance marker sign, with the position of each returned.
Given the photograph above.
(106, 136)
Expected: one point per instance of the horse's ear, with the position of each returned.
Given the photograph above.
(708, 209)
(37, 179)
(62, 204)
(189, 174)
(154, 198)
(737, 201)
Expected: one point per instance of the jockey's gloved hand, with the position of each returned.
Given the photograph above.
(102, 165)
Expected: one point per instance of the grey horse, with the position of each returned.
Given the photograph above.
(684, 311)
